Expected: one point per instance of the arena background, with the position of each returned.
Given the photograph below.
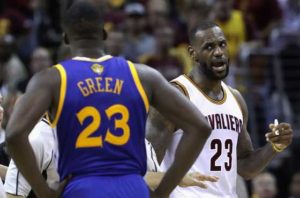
(264, 43)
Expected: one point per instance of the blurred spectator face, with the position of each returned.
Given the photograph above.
(196, 12)
(295, 186)
(164, 37)
(114, 43)
(264, 185)
(40, 60)
(157, 13)
(222, 9)
(209, 49)
(135, 21)
(6, 47)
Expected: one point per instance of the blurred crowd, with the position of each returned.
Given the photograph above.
(263, 38)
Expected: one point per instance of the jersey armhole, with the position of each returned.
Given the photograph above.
(139, 85)
(231, 90)
(62, 93)
(180, 87)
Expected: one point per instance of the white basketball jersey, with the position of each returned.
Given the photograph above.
(219, 156)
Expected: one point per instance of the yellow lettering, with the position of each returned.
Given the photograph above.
(118, 86)
(107, 84)
(83, 89)
(98, 81)
(90, 85)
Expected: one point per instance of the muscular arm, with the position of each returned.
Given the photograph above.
(159, 132)
(250, 162)
(176, 108)
(3, 170)
(27, 112)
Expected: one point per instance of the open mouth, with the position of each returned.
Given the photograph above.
(219, 66)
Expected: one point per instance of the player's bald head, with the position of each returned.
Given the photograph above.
(202, 26)
(83, 20)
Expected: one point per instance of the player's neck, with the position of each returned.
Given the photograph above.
(87, 48)
(204, 83)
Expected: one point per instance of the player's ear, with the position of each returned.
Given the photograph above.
(65, 38)
(192, 53)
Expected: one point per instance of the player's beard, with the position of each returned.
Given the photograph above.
(209, 73)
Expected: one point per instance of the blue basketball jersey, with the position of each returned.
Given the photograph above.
(101, 118)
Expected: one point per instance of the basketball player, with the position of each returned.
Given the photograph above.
(228, 150)
(42, 141)
(99, 106)
(17, 186)
(154, 173)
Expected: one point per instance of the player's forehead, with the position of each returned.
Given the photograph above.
(213, 34)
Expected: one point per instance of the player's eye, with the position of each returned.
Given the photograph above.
(223, 44)
(209, 47)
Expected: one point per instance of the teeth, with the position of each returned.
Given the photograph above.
(219, 68)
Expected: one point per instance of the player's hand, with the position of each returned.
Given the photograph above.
(196, 179)
(57, 188)
(284, 136)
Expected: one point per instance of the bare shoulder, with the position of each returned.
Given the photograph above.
(47, 78)
(150, 78)
(147, 73)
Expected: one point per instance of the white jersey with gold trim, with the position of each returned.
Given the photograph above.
(219, 155)
(42, 141)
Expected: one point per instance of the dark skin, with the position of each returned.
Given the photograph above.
(210, 51)
(43, 92)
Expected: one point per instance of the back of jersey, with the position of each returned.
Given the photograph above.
(101, 118)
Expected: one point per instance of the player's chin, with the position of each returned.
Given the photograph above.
(220, 76)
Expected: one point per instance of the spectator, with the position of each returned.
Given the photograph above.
(40, 59)
(12, 70)
(114, 43)
(264, 186)
(295, 186)
(164, 58)
(263, 15)
(137, 41)
(232, 23)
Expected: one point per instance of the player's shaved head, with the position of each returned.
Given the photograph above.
(83, 20)
(203, 25)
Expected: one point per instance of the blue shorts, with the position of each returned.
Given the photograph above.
(128, 186)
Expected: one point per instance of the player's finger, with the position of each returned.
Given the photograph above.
(282, 132)
(284, 125)
(280, 138)
(207, 178)
(199, 184)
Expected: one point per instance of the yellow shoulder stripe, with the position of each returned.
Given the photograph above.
(139, 85)
(62, 93)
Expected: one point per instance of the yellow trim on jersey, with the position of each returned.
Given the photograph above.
(103, 58)
(219, 102)
(62, 93)
(182, 87)
(46, 116)
(139, 84)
